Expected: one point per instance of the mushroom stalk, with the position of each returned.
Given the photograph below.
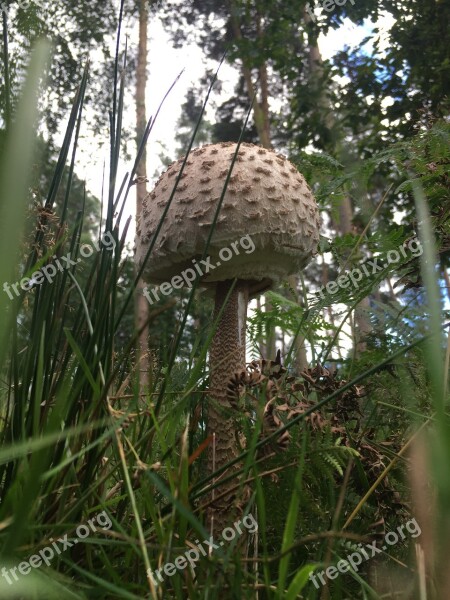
(227, 355)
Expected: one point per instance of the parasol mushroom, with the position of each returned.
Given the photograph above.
(268, 205)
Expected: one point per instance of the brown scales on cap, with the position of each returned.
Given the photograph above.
(286, 213)
(268, 200)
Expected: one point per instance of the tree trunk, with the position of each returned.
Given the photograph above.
(362, 326)
(362, 323)
(260, 108)
(141, 304)
(262, 124)
(301, 360)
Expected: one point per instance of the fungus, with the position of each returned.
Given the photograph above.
(281, 236)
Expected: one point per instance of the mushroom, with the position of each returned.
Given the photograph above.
(267, 203)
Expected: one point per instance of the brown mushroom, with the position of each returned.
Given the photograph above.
(268, 203)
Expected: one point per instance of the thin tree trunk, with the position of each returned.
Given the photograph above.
(141, 304)
(262, 124)
(264, 132)
(301, 360)
(260, 108)
(362, 323)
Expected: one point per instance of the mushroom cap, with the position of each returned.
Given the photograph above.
(266, 199)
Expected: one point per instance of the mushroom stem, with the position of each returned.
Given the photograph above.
(227, 355)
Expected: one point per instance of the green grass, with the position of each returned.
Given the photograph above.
(79, 439)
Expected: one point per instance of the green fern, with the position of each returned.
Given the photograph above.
(329, 453)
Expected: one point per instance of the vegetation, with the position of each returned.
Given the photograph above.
(344, 406)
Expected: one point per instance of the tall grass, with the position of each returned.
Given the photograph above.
(78, 439)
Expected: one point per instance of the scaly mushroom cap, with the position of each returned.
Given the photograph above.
(266, 198)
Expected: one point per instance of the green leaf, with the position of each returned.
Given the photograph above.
(300, 580)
